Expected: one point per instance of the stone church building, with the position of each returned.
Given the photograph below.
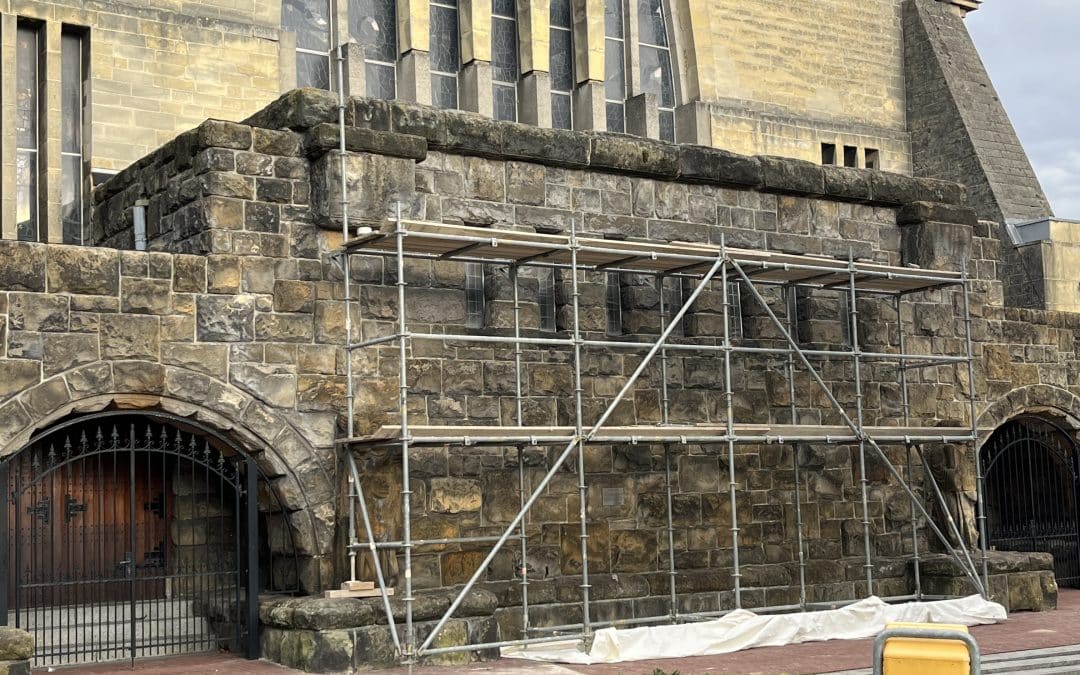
(506, 322)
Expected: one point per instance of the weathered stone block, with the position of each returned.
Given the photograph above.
(324, 138)
(145, 296)
(297, 109)
(130, 337)
(702, 164)
(76, 269)
(24, 266)
(225, 318)
(792, 176)
(375, 182)
(638, 156)
(15, 644)
(455, 495)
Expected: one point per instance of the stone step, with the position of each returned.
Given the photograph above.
(103, 613)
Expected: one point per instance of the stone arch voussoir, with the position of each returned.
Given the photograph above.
(1044, 400)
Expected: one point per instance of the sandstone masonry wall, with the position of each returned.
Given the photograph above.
(252, 327)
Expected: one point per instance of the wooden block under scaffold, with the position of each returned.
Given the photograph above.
(370, 593)
(357, 585)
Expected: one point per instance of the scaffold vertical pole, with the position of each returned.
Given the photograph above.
(980, 487)
(856, 357)
(665, 419)
(789, 297)
(520, 417)
(736, 575)
(346, 274)
(403, 403)
(905, 408)
(579, 434)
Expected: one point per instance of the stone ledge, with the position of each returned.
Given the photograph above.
(468, 133)
(323, 138)
(1021, 582)
(914, 213)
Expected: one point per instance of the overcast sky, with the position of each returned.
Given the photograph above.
(1032, 50)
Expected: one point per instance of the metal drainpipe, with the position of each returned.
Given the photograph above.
(139, 213)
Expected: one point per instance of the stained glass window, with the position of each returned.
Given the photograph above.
(561, 58)
(310, 21)
(655, 58)
(445, 53)
(27, 116)
(373, 24)
(614, 65)
(504, 59)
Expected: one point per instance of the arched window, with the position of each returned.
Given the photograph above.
(445, 53)
(373, 24)
(654, 56)
(310, 21)
(561, 63)
(504, 59)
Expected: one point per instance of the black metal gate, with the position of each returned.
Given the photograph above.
(1032, 493)
(128, 536)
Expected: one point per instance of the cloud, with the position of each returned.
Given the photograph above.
(1033, 57)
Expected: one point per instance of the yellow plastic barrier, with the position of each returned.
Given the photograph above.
(926, 649)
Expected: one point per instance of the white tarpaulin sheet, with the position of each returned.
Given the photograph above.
(743, 630)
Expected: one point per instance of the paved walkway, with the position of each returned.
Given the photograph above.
(1025, 630)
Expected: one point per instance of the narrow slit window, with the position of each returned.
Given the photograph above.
(845, 319)
(504, 59)
(72, 123)
(851, 156)
(561, 56)
(654, 54)
(474, 295)
(828, 154)
(27, 118)
(373, 24)
(445, 53)
(614, 304)
(735, 318)
(674, 299)
(547, 300)
(614, 66)
(310, 21)
(873, 159)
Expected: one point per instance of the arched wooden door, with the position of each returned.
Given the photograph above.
(1032, 492)
(128, 536)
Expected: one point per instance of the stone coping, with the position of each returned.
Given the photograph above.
(410, 131)
(997, 562)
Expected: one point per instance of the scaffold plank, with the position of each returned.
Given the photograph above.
(447, 241)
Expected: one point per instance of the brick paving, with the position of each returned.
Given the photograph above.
(1025, 630)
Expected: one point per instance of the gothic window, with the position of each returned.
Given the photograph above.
(655, 56)
(310, 21)
(445, 53)
(72, 104)
(474, 295)
(561, 59)
(614, 65)
(373, 24)
(504, 59)
(27, 117)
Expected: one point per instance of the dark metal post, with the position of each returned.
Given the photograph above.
(132, 568)
(5, 537)
(252, 523)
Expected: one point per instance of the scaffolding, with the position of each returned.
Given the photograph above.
(706, 266)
